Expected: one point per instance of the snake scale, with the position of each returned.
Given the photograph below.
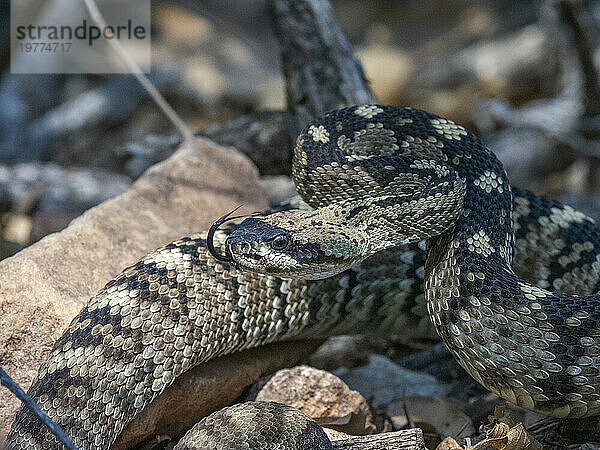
(381, 179)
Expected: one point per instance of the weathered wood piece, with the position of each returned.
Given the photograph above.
(320, 68)
(397, 440)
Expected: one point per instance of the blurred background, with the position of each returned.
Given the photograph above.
(520, 74)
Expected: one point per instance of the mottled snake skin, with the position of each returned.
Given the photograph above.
(256, 425)
(178, 307)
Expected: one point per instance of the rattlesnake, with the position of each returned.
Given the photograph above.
(365, 166)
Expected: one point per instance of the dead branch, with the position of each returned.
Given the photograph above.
(569, 13)
(320, 68)
(265, 137)
(12, 386)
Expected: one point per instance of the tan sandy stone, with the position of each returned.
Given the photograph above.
(322, 396)
(46, 284)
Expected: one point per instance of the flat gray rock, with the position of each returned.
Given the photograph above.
(382, 382)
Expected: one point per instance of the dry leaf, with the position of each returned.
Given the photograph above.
(518, 438)
(503, 437)
(498, 431)
(449, 444)
(503, 413)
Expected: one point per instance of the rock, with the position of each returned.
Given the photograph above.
(322, 396)
(519, 65)
(438, 362)
(520, 61)
(278, 188)
(147, 151)
(452, 80)
(524, 152)
(533, 138)
(60, 188)
(45, 222)
(52, 196)
(433, 415)
(383, 382)
(46, 284)
(345, 350)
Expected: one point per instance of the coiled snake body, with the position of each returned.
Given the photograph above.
(381, 178)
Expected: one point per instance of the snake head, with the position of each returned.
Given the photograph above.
(289, 244)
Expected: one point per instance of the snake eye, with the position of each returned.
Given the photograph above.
(279, 242)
